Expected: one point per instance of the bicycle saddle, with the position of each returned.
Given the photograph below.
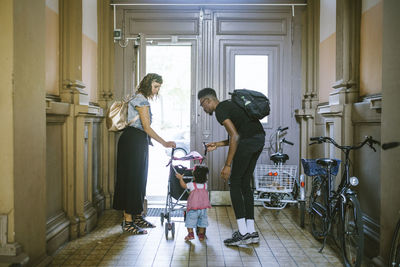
(279, 157)
(326, 162)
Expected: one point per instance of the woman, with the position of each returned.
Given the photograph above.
(133, 154)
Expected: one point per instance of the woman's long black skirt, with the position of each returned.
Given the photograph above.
(132, 168)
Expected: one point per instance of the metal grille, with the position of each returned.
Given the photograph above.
(156, 212)
(275, 178)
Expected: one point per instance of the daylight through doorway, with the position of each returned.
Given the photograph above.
(171, 112)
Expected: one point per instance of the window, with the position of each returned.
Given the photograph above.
(251, 72)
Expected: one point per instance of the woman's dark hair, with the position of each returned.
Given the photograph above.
(145, 85)
(206, 92)
(200, 174)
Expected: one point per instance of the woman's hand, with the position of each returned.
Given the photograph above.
(211, 146)
(171, 144)
(226, 172)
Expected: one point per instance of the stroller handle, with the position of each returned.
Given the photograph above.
(174, 149)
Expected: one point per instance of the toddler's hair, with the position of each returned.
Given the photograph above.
(200, 173)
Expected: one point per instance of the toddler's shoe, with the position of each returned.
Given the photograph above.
(201, 236)
(190, 236)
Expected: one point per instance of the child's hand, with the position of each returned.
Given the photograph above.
(179, 176)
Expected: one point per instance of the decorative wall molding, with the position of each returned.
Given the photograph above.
(375, 102)
(331, 110)
(7, 249)
(72, 92)
(57, 108)
(343, 94)
(367, 111)
(57, 232)
(156, 22)
(160, 26)
(240, 26)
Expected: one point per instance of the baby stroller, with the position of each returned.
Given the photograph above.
(176, 194)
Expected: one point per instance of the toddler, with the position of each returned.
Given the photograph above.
(197, 203)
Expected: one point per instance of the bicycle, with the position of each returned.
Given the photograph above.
(277, 185)
(394, 258)
(338, 207)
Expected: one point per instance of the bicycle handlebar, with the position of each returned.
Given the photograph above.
(280, 129)
(390, 145)
(287, 142)
(323, 139)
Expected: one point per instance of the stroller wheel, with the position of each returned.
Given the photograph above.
(173, 229)
(162, 218)
(166, 230)
(184, 215)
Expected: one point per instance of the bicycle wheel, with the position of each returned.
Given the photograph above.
(352, 232)
(318, 206)
(394, 259)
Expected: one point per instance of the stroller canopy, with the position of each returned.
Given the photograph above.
(194, 155)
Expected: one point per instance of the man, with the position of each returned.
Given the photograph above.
(246, 139)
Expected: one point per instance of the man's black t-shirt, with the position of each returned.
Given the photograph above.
(245, 126)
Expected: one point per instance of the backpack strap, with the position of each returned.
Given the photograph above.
(133, 120)
(137, 116)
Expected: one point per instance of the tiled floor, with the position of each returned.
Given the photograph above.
(283, 243)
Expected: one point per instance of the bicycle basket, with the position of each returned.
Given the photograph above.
(275, 178)
(311, 168)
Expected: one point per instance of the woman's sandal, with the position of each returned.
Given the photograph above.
(141, 222)
(132, 228)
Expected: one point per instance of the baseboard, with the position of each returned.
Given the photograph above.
(220, 198)
(21, 259)
(372, 235)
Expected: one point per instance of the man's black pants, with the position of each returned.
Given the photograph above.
(243, 165)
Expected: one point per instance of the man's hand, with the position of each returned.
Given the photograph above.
(211, 146)
(226, 172)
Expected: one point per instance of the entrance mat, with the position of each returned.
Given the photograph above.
(156, 212)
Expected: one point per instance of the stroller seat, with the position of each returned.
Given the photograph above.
(176, 194)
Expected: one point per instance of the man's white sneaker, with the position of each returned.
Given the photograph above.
(255, 238)
(238, 239)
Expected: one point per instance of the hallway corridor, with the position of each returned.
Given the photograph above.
(283, 243)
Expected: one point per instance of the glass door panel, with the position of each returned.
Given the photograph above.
(251, 72)
(171, 110)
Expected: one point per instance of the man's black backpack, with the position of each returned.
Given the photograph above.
(255, 104)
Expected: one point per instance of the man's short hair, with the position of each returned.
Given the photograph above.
(206, 92)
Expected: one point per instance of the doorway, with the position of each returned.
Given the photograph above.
(171, 111)
(258, 47)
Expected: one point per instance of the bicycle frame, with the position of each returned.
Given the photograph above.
(345, 185)
(339, 201)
